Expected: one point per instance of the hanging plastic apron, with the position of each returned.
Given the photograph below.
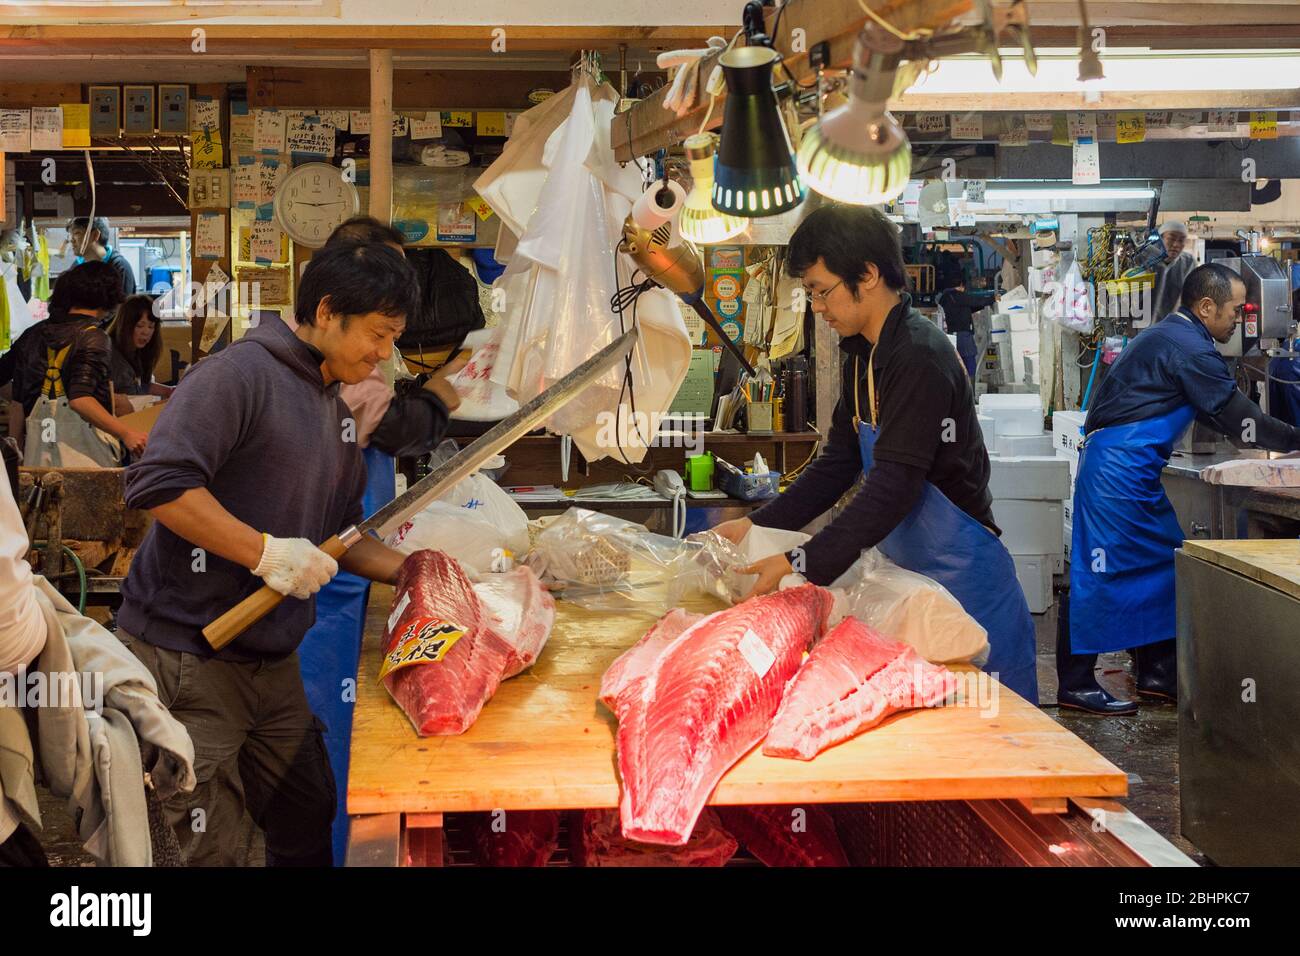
(944, 543)
(1125, 535)
(329, 654)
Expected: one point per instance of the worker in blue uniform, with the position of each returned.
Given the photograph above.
(1125, 530)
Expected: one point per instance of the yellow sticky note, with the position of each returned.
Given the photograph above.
(491, 124)
(461, 118)
(76, 125)
(1130, 127)
(1263, 124)
(1060, 130)
(481, 208)
(205, 148)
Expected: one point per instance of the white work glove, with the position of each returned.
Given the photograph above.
(294, 566)
(686, 81)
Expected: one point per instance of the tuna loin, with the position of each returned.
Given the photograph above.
(703, 703)
(636, 660)
(445, 688)
(853, 680)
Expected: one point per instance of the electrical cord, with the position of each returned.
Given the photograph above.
(623, 297)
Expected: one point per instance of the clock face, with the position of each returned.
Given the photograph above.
(312, 201)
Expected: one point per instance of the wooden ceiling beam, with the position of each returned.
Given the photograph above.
(296, 87)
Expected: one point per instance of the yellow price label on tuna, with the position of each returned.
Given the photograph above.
(425, 640)
(1263, 124)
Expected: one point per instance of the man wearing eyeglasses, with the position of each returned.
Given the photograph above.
(1125, 530)
(906, 418)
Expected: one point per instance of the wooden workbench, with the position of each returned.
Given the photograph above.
(545, 742)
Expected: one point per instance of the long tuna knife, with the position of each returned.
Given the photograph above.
(388, 518)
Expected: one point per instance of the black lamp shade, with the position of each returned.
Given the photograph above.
(755, 173)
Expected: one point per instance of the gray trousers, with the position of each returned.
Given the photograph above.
(257, 746)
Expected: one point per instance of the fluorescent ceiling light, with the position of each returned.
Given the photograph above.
(1146, 72)
(1074, 193)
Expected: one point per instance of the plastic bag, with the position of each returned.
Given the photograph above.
(475, 522)
(908, 607)
(604, 563)
(1069, 303)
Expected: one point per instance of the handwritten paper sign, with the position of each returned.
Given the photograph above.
(246, 184)
(205, 148)
(270, 174)
(205, 114)
(1039, 122)
(428, 126)
(1131, 127)
(269, 131)
(76, 125)
(305, 134)
(1184, 118)
(336, 118)
(1087, 164)
(490, 123)
(1157, 119)
(15, 131)
(931, 122)
(400, 125)
(967, 127)
(1222, 121)
(457, 118)
(359, 121)
(47, 128)
(1263, 124)
(210, 235)
(1082, 127)
(266, 286)
(242, 133)
(265, 241)
(1015, 132)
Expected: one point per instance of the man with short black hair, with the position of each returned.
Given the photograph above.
(906, 417)
(252, 462)
(90, 243)
(1125, 529)
(958, 306)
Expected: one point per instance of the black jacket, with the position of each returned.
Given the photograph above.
(86, 369)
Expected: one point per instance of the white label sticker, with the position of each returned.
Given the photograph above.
(756, 653)
(397, 611)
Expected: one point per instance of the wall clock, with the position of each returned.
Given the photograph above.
(313, 201)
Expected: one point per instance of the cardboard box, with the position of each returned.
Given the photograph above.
(1030, 527)
(1029, 478)
(143, 421)
(1034, 572)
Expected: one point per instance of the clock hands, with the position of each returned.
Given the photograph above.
(339, 203)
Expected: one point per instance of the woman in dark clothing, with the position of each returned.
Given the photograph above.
(136, 340)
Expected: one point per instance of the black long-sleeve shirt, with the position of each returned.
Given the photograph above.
(85, 370)
(959, 306)
(927, 432)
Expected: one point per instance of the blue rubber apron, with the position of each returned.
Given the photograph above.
(329, 654)
(944, 543)
(1125, 535)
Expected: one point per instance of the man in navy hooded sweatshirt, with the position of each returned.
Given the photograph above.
(252, 462)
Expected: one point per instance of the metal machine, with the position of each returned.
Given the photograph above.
(1268, 305)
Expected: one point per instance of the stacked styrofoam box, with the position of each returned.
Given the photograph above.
(1027, 503)
(1067, 439)
(1023, 325)
(1013, 414)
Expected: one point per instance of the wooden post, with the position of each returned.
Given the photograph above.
(381, 137)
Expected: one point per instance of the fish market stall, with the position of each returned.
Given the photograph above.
(994, 782)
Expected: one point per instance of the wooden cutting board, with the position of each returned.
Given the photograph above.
(1275, 562)
(545, 742)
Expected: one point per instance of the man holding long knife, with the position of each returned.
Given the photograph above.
(252, 462)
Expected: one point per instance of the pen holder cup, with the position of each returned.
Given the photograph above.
(760, 418)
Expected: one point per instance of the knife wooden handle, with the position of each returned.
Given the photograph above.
(257, 605)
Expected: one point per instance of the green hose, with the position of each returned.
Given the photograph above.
(81, 572)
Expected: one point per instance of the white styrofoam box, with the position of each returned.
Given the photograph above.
(980, 389)
(1015, 414)
(1026, 478)
(1058, 562)
(1034, 572)
(1000, 323)
(1024, 446)
(1067, 431)
(1067, 534)
(1023, 320)
(1067, 509)
(989, 432)
(1029, 527)
(1044, 258)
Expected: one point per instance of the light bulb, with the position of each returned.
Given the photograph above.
(700, 222)
(858, 153)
